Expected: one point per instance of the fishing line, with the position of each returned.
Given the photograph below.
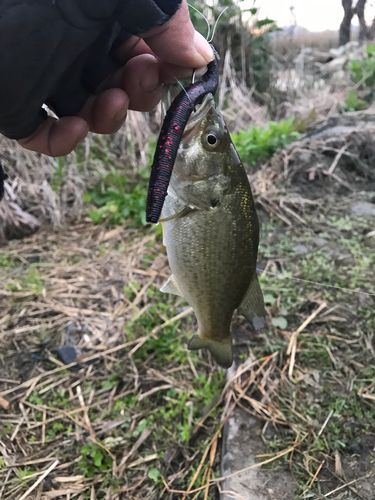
(183, 88)
(205, 18)
(209, 41)
(346, 290)
(208, 24)
(216, 23)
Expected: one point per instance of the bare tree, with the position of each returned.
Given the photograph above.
(344, 34)
(371, 32)
(349, 12)
(360, 11)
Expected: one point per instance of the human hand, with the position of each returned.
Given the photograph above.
(159, 56)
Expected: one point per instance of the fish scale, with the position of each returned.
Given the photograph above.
(211, 233)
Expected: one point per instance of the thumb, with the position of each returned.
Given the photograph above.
(178, 43)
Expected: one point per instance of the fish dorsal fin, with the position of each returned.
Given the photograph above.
(220, 351)
(252, 305)
(171, 286)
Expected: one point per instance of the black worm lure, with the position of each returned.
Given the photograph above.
(170, 137)
(3, 177)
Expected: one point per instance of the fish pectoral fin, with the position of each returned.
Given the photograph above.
(171, 286)
(220, 351)
(186, 210)
(252, 305)
(164, 240)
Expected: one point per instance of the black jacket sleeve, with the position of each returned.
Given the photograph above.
(56, 52)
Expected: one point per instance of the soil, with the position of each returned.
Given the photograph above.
(345, 191)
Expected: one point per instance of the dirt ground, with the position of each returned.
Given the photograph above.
(137, 416)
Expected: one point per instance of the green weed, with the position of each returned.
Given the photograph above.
(7, 260)
(363, 70)
(7, 429)
(259, 143)
(31, 281)
(23, 474)
(353, 103)
(120, 200)
(94, 460)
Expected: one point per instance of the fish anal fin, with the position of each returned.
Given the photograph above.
(220, 351)
(252, 305)
(171, 286)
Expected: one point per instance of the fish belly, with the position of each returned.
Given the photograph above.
(212, 256)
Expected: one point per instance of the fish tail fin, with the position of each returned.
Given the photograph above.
(252, 305)
(220, 351)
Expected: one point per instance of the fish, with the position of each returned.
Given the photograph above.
(211, 233)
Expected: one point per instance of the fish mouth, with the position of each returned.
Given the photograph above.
(197, 119)
(201, 111)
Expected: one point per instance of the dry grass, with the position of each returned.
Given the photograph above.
(52, 189)
(288, 47)
(90, 288)
(148, 410)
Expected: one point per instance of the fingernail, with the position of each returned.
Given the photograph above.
(203, 47)
(150, 78)
(121, 113)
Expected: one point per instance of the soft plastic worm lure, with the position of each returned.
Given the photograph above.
(170, 137)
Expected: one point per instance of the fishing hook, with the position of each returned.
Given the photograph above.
(170, 137)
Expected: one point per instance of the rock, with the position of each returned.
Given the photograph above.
(67, 354)
(363, 208)
(320, 242)
(355, 446)
(305, 157)
(334, 65)
(370, 239)
(242, 442)
(330, 63)
(301, 249)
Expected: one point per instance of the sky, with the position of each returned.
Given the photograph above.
(315, 15)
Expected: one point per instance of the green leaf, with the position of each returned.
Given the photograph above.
(154, 474)
(265, 22)
(269, 299)
(279, 322)
(98, 458)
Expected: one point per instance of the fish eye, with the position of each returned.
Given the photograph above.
(211, 139)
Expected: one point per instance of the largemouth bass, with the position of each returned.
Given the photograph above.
(211, 233)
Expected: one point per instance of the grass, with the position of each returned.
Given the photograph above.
(120, 200)
(143, 417)
(260, 143)
(322, 41)
(332, 377)
(153, 388)
(143, 402)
